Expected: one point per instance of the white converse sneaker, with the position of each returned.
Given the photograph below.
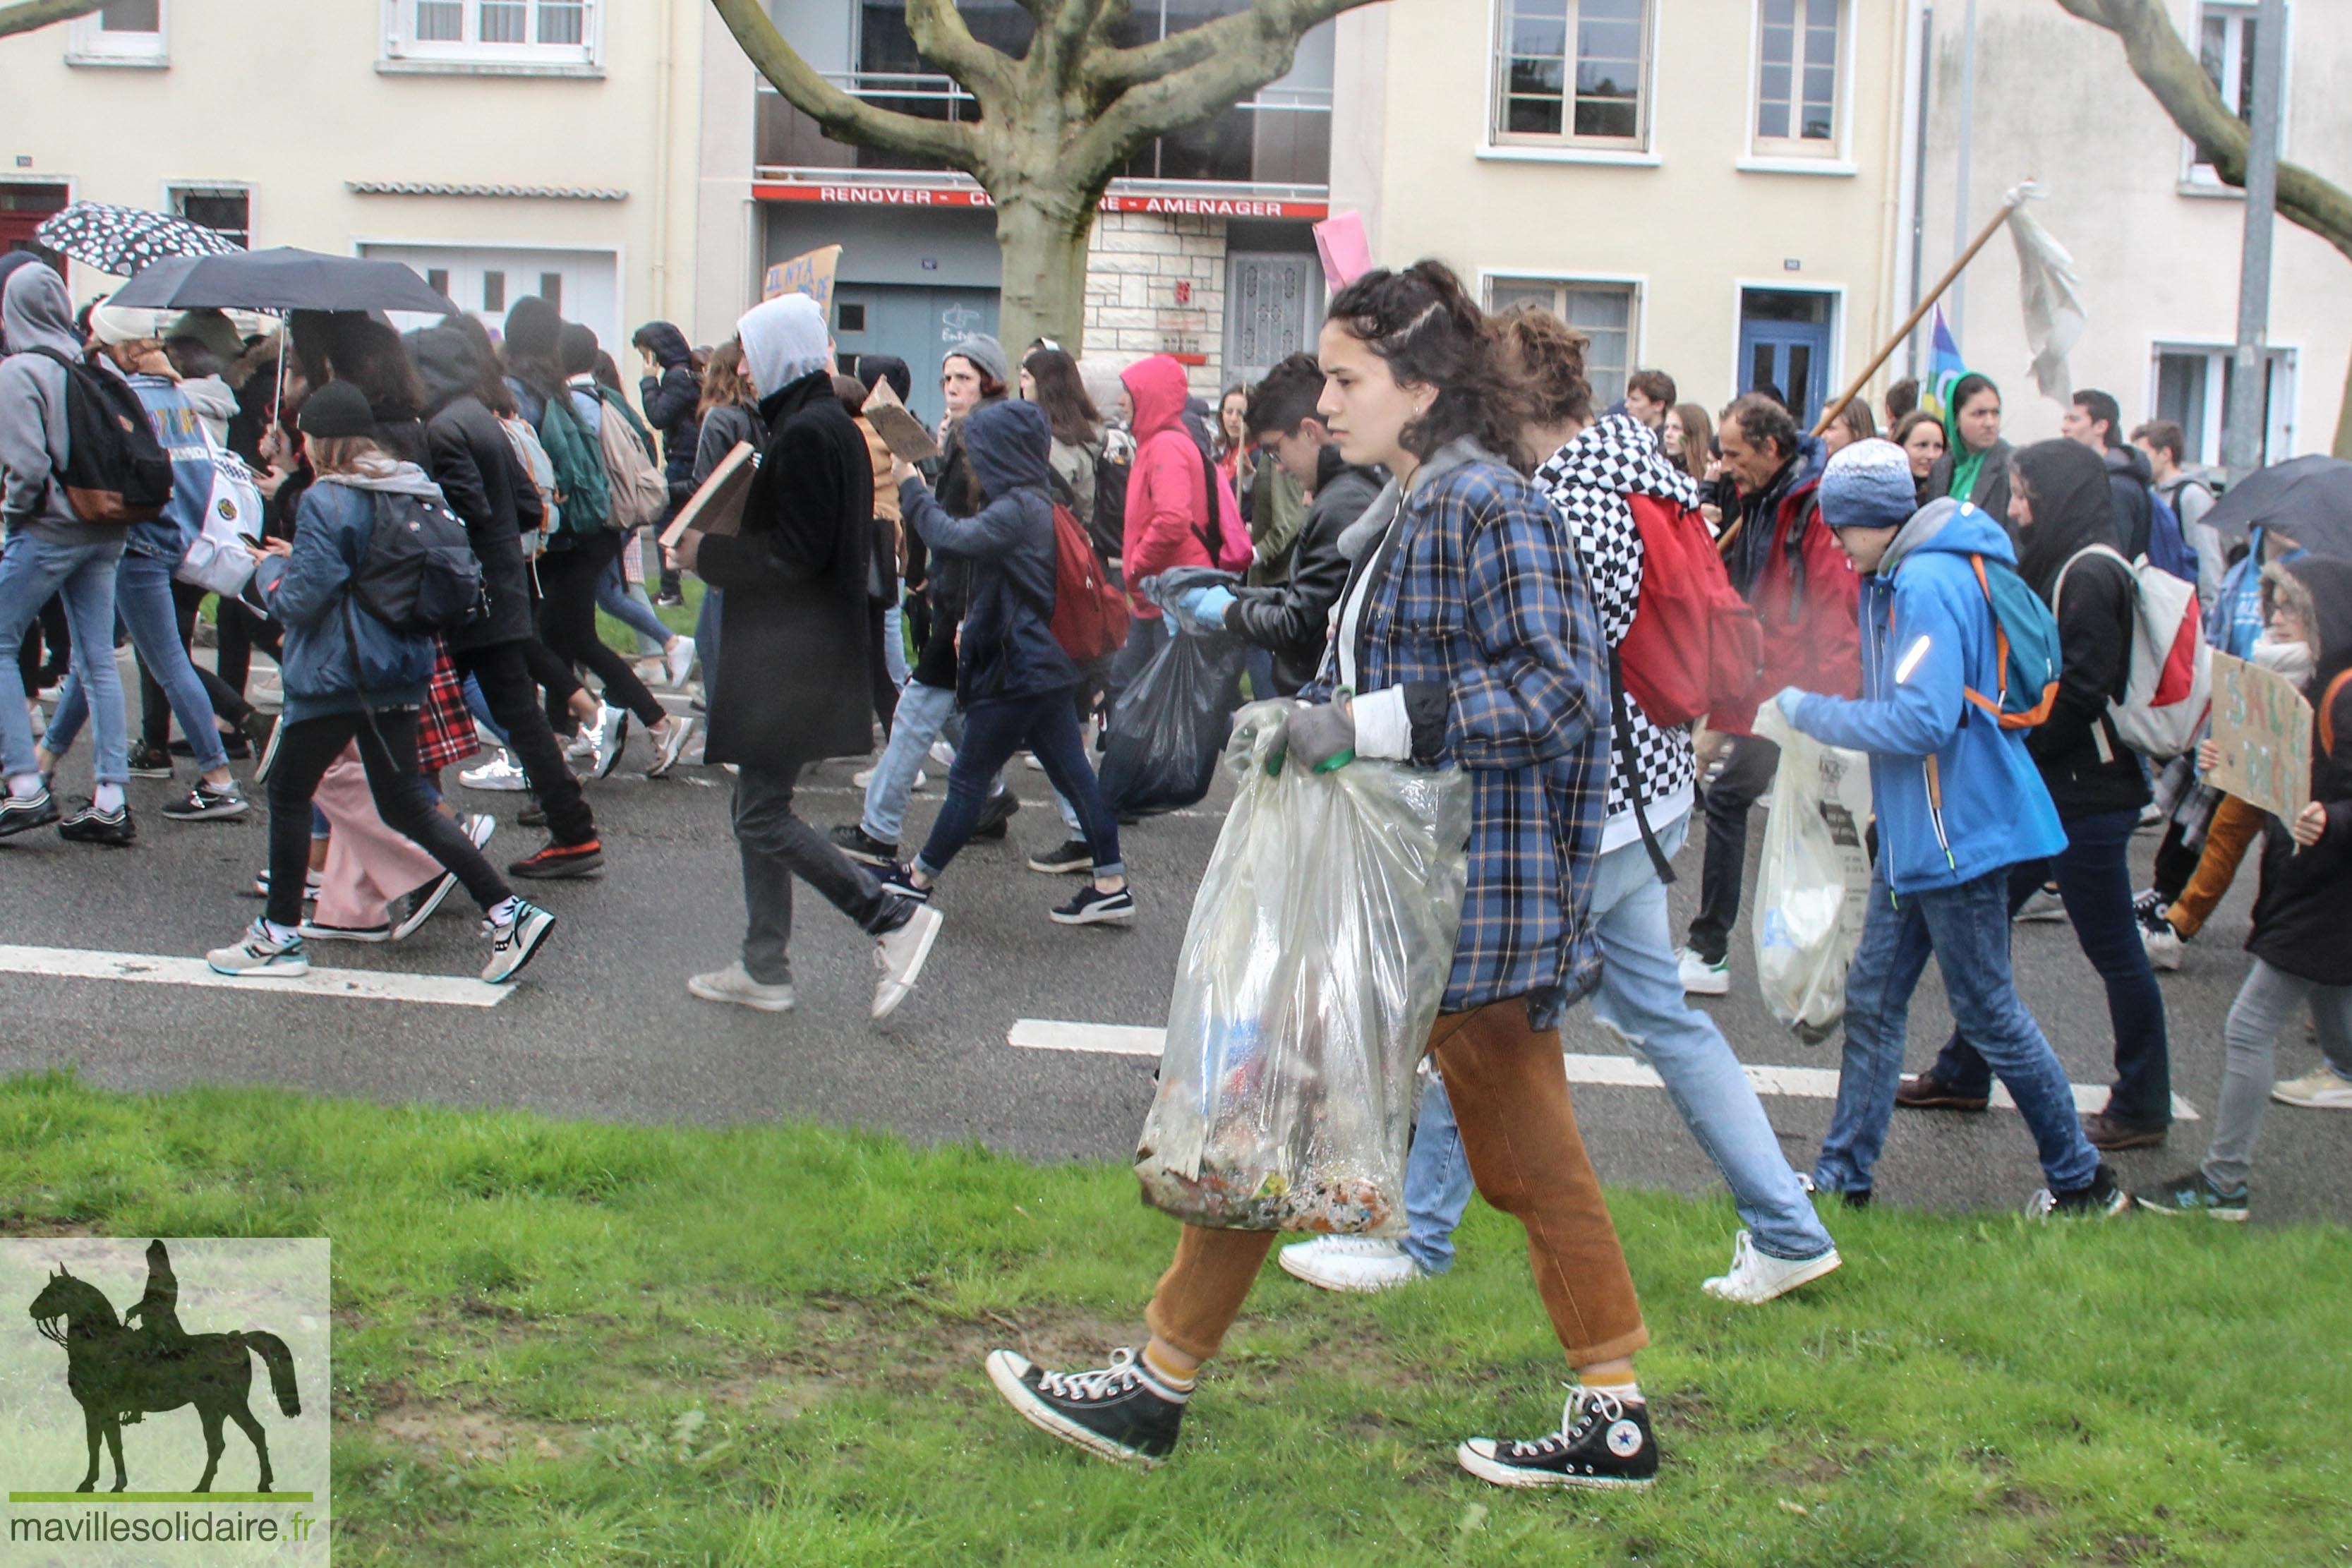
(678, 661)
(734, 984)
(1757, 1276)
(501, 773)
(1361, 1264)
(899, 956)
(1701, 978)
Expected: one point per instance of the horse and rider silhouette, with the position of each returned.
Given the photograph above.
(117, 1373)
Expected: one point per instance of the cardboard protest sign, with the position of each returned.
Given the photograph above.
(2261, 725)
(809, 273)
(718, 506)
(900, 431)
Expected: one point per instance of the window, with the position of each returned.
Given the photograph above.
(1572, 71)
(2226, 31)
(2192, 390)
(125, 33)
(527, 36)
(550, 289)
(494, 291)
(850, 318)
(226, 210)
(1796, 53)
(1603, 312)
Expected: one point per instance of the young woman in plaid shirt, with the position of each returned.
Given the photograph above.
(1466, 637)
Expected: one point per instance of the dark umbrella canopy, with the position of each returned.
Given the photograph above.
(2307, 498)
(122, 240)
(282, 280)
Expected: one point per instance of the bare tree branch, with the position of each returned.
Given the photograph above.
(939, 32)
(845, 116)
(2161, 57)
(28, 15)
(1235, 40)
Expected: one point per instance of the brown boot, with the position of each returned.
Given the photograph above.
(1925, 1091)
(2108, 1132)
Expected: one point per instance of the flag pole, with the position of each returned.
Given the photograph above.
(1828, 414)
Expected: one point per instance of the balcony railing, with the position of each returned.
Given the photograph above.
(1279, 141)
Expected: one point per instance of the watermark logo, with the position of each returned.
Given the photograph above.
(164, 1402)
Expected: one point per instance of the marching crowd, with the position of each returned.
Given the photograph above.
(1425, 533)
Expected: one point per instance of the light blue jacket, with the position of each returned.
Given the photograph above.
(1956, 796)
(182, 434)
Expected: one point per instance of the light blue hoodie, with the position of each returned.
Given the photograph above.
(1926, 636)
(180, 428)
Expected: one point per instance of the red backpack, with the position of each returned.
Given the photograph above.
(1089, 615)
(1695, 644)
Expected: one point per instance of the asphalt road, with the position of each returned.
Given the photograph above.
(601, 1025)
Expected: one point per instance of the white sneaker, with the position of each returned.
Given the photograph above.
(607, 740)
(1362, 1264)
(1757, 1276)
(479, 826)
(582, 743)
(515, 942)
(260, 955)
(2319, 1090)
(665, 757)
(1701, 978)
(943, 754)
(899, 956)
(678, 660)
(734, 984)
(501, 773)
(865, 778)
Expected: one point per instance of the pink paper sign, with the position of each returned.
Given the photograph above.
(1347, 254)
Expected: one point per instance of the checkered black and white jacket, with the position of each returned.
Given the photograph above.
(1587, 482)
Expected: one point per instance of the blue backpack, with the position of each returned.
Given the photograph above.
(2026, 633)
(2168, 547)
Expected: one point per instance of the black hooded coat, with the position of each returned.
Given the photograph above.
(468, 455)
(671, 400)
(2084, 761)
(2304, 907)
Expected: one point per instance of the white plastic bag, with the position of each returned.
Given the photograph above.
(1813, 888)
(1318, 952)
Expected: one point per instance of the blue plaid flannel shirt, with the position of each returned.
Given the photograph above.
(1486, 595)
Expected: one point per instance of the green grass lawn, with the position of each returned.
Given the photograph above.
(678, 618)
(570, 1343)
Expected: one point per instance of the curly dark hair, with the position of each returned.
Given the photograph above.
(1546, 355)
(1425, 325)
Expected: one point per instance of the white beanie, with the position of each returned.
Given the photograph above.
(784, 339)
(123, 324)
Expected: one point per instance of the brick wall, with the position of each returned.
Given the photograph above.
(1157, 284)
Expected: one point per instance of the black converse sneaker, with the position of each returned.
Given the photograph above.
(1121, 1411)
(899, 882)
(2102, 1197)
(1603, 1442)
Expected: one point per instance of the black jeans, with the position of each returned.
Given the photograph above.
(307, 749)
(1048, 725)
(776, 845)
(503, 672)
(155, 708)
(567, 621)
(242, 629)
(1746, 775)
(2093, 873)
(37, 669)
(877, 668)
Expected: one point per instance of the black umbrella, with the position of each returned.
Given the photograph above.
(282, 280)
(122, 240)
(2309, 499)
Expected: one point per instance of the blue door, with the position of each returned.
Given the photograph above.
(1784, 343)
(919, 325)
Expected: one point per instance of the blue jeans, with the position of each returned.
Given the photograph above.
(627, 602)
(894, 644)
(923, 713)
(1640, 1002)
(1259, 663)
(142, 598)
(1966, 930)
(2093, 875)
(992, 731)
(32, 569)
(706, 635)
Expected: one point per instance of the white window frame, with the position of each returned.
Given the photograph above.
(87, 42)
(1635, 286)
(1796, 154)
(2197, 177)
(1566, 146)
(403, 51)
(2278, 441)
(175, 189)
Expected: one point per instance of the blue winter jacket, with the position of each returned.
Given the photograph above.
(167, 538)
(1927, 635)
(309, 593)
(1008, 649)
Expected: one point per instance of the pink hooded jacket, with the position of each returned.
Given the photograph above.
(1167, 502)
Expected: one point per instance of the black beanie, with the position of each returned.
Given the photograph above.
(871, 368)
(337, 409)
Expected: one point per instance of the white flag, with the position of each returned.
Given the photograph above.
(2055, 316)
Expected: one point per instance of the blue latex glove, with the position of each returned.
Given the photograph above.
(1201, 611)
(1788, 700)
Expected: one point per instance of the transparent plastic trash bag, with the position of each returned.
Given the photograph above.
(1318, 950)
(1813, 888)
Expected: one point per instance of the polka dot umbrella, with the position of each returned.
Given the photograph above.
(122, 240)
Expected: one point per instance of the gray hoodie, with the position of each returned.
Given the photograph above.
(37, 313)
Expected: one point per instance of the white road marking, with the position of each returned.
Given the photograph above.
(1620, 1073)
(75, 963)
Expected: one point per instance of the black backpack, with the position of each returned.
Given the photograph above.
(419, 576)
(115, 469)
(1107, 526)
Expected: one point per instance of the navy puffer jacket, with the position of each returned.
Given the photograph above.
(670, 401)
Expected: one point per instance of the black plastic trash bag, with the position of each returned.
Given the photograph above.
(1168, 728)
